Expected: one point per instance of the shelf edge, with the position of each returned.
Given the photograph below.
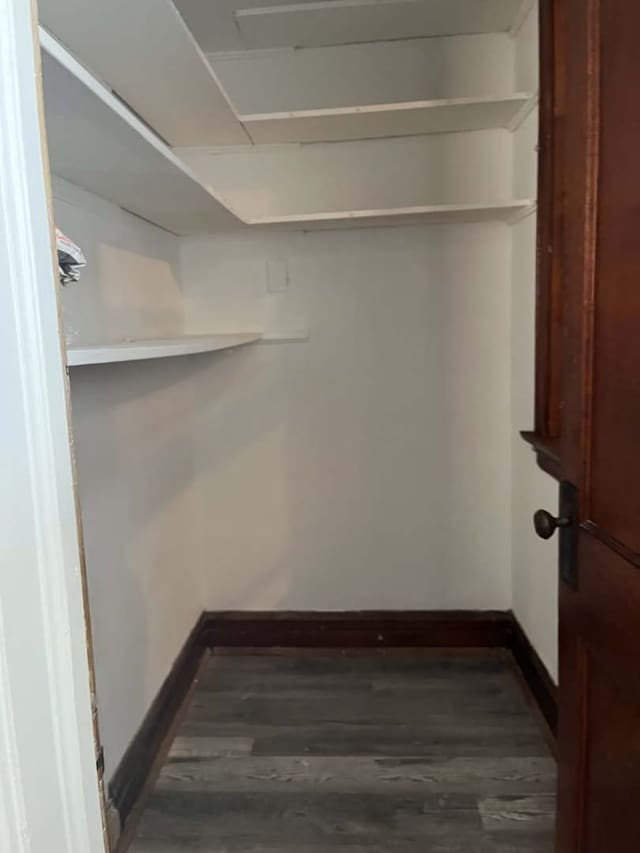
(395, 106)
(144, 350)
(415, 210)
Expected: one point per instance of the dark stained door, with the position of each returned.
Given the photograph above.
(599, 731)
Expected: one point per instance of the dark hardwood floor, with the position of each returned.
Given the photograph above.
(415, 753)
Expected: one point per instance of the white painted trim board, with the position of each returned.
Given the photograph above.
(50, 798)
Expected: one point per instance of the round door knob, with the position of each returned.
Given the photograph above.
(546, 524)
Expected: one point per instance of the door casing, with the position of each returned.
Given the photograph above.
(50, 793)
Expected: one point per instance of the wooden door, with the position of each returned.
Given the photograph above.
(599, 730)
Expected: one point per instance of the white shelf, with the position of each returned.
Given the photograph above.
(508, 212)
(327, 22)
(96, 143)
(384, 72)
(434, 177)
(144, 51)
(384, 120)
(157, 348)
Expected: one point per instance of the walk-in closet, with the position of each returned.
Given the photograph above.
(300, 347)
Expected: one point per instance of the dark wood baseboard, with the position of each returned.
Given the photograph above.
(134, 769)
(535, 674)
(360, 629)
(453, 629)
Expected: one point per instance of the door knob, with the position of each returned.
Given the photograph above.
(546, 524)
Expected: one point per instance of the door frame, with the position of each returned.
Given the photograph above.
(50, 792)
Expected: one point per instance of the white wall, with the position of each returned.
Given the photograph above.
(140, 507)
(367, 468)
(133, 428)
(535, 563)
(130, 286)
(527, 52)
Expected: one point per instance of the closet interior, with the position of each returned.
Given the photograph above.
(302, 347)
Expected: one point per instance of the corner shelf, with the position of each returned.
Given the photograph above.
(410, 118)
(97, 143)
(156, 348)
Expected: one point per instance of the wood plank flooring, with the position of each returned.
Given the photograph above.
(412, 753)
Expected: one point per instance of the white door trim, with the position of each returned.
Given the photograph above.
(49, 792)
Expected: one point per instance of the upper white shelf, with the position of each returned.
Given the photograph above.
(98, 144)
(328, 22)
(144, 51)
(387, 120)
(378, 89)
(156, 348)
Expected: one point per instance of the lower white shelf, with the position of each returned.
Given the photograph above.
(156, 348)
